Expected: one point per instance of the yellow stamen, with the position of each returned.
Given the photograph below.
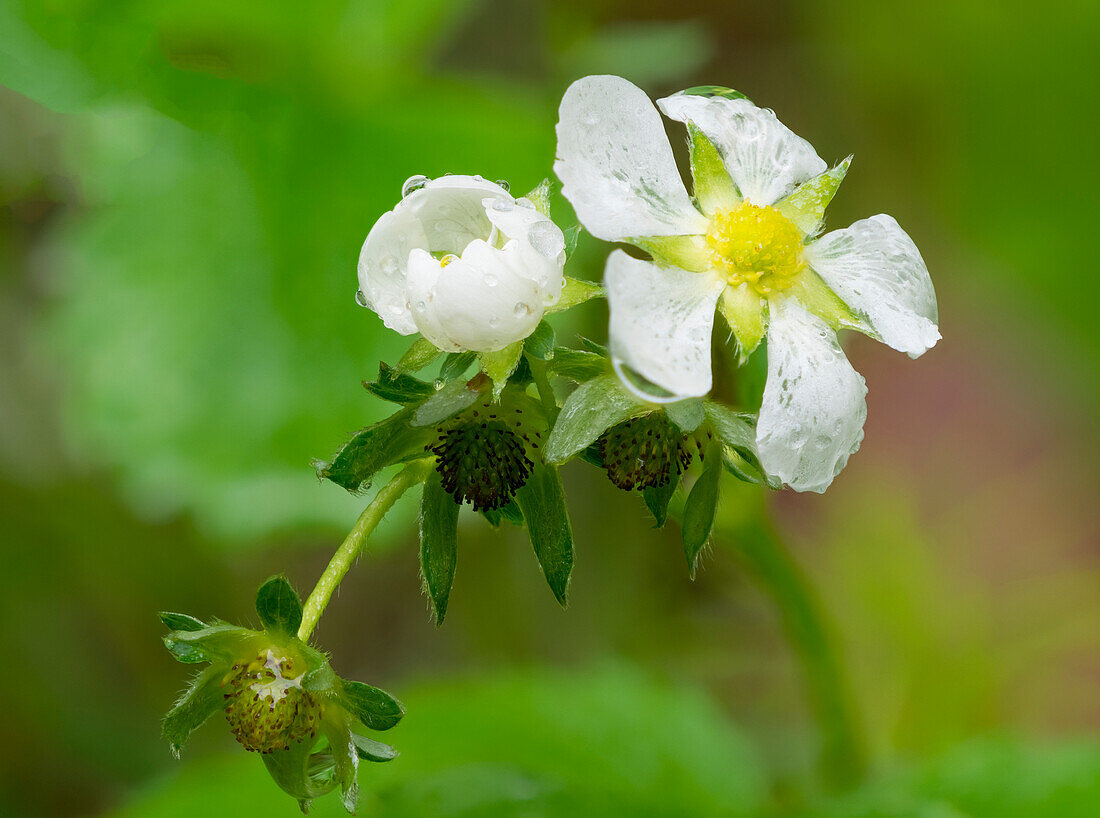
(757, 246)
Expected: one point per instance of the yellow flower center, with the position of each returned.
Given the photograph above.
(757, 246)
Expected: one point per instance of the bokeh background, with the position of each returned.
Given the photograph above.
(184, 187)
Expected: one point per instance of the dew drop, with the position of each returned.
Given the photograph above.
(521, 309)
(491, 280)
(389, 265)
(546, 238)
(361, 299)
(421, 306)
(396, 310)
(494, 322)
(504, 184)
(503, 205)
(412, 184)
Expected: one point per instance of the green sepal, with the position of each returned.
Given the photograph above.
(540, 343)
(301, 773)
(700, 508)
(202, 699)
(686, 415)
(510, 513)
(714, 91)
(279, 606)
(181, 622)
(376, 708)
(540, 197)
(345, 758)
(500, 365)
(575, 291)
(594, 346)
(805, 206)
(542, 501)
(572, 234)
(713, 187)
(816, 296)
(593, 408)
(390, 441)
(371, 750)
(397, 387)
(419, 355)
(218, 641)
(736, 434)
(438, 544)
(686, 252)
(578, 364)
(593, 455)
(456, 364)
(746, 313)
(657, 498)
(446, 402)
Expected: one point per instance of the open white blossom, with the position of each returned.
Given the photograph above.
(462, 262)
(747, 244)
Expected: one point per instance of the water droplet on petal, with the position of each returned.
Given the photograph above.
(504, 184)
(413, 183)
(546, 239)
(421, 306)
(361, 299)
(491, 280)
(494, 322)
(521, 309)
(396, 310)
(389, 265)
(503, 205)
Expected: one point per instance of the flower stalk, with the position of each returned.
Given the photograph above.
(353, 544)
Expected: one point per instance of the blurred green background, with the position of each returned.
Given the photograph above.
(184, 187)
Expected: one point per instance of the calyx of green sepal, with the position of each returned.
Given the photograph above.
(280, 697)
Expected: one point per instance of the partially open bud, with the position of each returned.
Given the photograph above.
(644, 452)
(266, 707)
(483, 455)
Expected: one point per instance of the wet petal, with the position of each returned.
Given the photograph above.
(811, 418)
(763, 156)
(383, 263)
(661, 322)
(616, 166)
(878, 271)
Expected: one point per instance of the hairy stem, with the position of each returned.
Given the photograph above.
(353, 544)
(755, 541)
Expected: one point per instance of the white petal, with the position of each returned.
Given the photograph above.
(878, 271)
(661, 321)
(382, 267)
(482, 301)
(616, 166)
(451, 212)
(541, 241)
(814, 405)
(764, 157)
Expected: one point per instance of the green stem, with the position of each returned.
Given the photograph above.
(842, 757)
(353, 544)
(542, 384)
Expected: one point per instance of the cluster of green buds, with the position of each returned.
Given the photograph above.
(280, 698)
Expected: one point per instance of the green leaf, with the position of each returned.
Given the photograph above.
(181, 622)
(542, 501)
(214, 642)
(593, 346)
(446, 402)
(419, 355)
(687, 415)
(390, 441)
(279, 606)
(578, 364)
(456, 364)
(805, 206)
(657, 499)
(396, 387)
(699, 510)
(574, 292)
(540, 343)
(375, 708)
(713, 189)
(500, 365)
(371, 750)
(438, 544)
(593, 408)
(202, 699)
(509, 512)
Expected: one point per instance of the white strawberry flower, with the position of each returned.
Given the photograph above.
(462, 262)
(746, 244)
